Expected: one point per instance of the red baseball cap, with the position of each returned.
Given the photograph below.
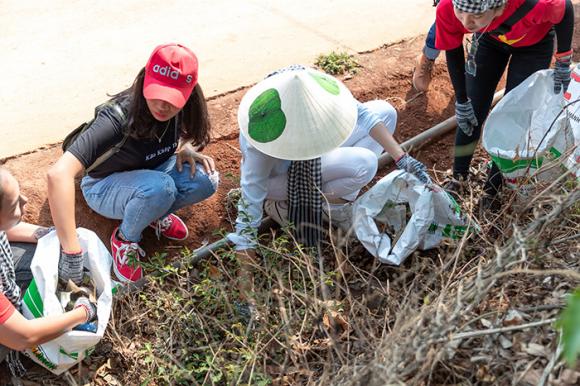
(170, 74)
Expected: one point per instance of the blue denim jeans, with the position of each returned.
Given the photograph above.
(429, 50)
(138, 197)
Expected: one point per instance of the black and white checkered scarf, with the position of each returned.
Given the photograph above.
(10, 289)
(304, 192)
(8, 284)
(477, 6)
(305, 200)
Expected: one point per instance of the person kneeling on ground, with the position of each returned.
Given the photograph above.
(303, 134)
(156, 169)
(17, 246)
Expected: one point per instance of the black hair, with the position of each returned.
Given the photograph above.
(2, 171)
(195, 124)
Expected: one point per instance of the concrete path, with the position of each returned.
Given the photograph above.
(60, 58)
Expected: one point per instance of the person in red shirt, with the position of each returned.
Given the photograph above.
(16, 332)
(513, 34)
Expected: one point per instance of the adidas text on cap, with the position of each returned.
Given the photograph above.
(170, 74)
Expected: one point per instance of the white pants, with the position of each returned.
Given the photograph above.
(346, 170)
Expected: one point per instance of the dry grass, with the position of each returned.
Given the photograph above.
(347, 320)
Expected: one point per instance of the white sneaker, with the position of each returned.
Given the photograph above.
(277, 210)
(339, 216)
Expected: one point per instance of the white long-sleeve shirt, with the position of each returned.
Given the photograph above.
(257, 168)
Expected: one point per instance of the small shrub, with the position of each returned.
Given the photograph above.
(337, 63)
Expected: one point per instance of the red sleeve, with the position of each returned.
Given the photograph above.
(6, 309)
(448, 30)
(549, 11)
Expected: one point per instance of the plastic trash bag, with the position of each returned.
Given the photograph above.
(40, 300)
(434, 216)
(573, 113)
(518, 137)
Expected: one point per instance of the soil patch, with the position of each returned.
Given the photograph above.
(385, 74)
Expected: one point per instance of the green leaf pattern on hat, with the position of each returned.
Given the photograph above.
(327, 83)
(267, 120)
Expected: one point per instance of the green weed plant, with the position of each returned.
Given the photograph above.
(337, 63)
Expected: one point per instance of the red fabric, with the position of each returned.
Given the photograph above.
(528, 31)
(6, 309)
(170, 74)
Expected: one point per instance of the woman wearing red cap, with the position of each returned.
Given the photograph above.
(513, 34)
(160, 121)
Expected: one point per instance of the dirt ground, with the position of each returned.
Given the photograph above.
(385, 74)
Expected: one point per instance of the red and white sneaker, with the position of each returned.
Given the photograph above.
(126, 256)
(171, 227)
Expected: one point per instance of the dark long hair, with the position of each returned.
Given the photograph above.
(195, 124)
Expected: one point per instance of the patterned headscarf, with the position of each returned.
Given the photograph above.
(10, 289)
(477, 6)
(8, 285)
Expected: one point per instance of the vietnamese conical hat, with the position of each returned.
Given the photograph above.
(297, 115)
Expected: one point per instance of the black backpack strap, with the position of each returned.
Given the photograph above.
(518, 15)
(115, 148)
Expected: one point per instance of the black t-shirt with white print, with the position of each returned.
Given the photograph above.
(107, 130)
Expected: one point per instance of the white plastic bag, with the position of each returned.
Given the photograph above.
(40, 300)
(434, 216)
(516, 132)
(573, 95)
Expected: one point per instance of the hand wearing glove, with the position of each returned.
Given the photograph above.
(562, 71)
(416, 168)
(465, 117)
(89, 307)
(70, 267)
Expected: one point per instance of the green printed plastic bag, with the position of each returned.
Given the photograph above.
(434, 217)
(40, 300)
(518, 137)
(573, 100)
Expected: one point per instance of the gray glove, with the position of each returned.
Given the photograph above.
(416, 168)
(90, 308)
(465, 116)
(70, 267)
(562, 73)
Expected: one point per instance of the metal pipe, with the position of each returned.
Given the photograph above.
(430, 134)
(385, 159)
(196, 256)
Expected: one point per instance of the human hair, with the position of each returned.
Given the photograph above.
(2, 171)
(195, 124)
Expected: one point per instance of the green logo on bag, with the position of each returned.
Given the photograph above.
(41, 356)
(72, 355)
(433, 228)
(33, 301)
(267, 120)
(326, 83)
(510, 166)
(454, 231)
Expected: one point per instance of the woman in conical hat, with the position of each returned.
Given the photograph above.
(302, 134)
(513, 34)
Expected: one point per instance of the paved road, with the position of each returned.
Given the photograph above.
(60, 58)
